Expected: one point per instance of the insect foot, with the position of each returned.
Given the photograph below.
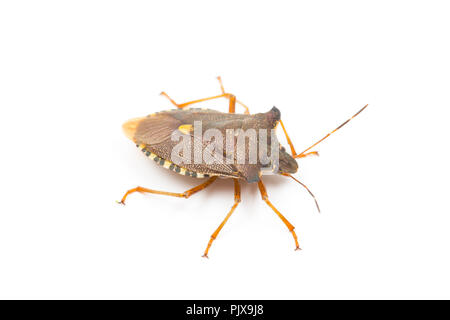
(186, 194)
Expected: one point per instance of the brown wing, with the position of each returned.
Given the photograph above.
(156, 128)
(155, 132)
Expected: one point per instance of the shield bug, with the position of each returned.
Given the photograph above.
(216, 144)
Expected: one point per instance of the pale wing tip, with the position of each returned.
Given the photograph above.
(130, 127)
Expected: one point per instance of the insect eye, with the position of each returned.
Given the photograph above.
(282, 149)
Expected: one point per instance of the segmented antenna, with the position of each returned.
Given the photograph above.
(304, 186)
(329, 134)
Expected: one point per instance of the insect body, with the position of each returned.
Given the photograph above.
(216, 144)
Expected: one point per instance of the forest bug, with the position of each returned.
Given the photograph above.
(158, 136)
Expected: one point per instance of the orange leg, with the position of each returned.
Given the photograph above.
(237, 199)
(312, 153)
(234, 103)
(185, 194)
(265, 197)
(291, 145)
(231, 97)
(294, 153)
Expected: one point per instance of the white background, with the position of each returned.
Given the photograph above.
(71, 72)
